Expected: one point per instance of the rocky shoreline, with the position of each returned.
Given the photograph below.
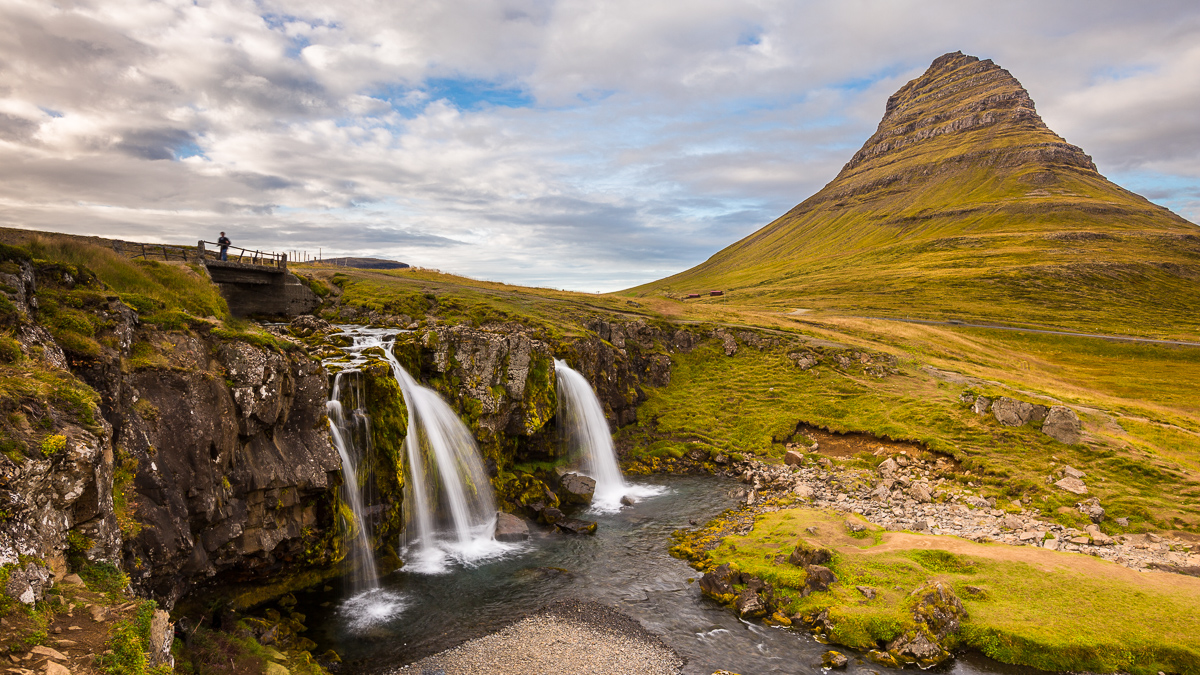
(905, 493)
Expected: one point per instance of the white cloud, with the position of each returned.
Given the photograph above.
(566, 143)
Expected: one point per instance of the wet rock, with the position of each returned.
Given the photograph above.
(718, 582)
(832, 659)
(510, 528)
(1063, 425)
(576, 489)
(307, 324)
(550, 515)
(576, 526)
(626, 500)
(750, 605)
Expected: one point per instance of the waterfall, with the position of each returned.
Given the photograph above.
(369, 604)
(450, 512)
(352, 437)
(585, 429)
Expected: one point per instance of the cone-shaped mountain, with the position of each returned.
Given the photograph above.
(963, 203)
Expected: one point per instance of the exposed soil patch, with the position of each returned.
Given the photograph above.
(74, 636)
(850, 444)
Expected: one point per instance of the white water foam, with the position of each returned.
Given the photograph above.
(371, 608)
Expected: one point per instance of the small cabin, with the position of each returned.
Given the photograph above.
(689, 296)
(715, 293)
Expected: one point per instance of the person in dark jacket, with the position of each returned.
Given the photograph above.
(224, 243)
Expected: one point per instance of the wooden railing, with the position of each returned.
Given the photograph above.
(132, 249)
(242, 255)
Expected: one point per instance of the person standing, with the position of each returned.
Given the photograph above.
(224, 243)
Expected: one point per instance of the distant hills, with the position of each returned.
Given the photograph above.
(365, 263)
(963, 203)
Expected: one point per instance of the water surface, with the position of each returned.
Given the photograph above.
(625, 565)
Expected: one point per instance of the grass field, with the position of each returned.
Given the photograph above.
(1025, 605)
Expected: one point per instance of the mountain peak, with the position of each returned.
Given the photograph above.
(961, 95)
(964, 200)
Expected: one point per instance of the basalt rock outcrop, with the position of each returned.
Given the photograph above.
(185, 458)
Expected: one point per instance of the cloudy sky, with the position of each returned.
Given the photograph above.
(587, 144)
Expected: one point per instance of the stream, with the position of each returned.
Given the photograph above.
(625, 565)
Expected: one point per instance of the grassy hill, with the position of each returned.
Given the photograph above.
(964, 204)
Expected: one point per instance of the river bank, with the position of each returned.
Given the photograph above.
(567, 638)
(820, 545)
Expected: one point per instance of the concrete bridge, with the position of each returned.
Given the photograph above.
(252, 282)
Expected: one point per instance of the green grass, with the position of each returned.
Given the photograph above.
(753, 401)
(1049, 614)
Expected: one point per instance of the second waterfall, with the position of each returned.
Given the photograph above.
(450, 512)
(585, 432)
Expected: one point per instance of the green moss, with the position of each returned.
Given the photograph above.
(124, 495)
(10, 350)
(54, 444)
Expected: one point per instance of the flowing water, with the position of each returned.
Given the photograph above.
(352, 438)
(625, 565)
(450, 512)
(585, 431)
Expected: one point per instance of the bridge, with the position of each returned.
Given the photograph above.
(252, 282)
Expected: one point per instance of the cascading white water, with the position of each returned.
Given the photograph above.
(586, 430)
(369, 604)
(364, 576)
(450, 511)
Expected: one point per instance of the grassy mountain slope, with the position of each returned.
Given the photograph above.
(964, 204)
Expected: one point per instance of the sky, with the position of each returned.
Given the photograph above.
(589, 145)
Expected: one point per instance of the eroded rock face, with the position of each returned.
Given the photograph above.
(576, 489)
(1013, 413)
(231, 454)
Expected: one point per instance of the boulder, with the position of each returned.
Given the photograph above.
(1073, 472)
(1073, 485)
(888, 467)
(981, 405)
(937, 614)
(1062, 424)
(832, 659)
(162, 635)
(920, 493)
(510, 528)
(576, 489)
(750, 605)
(855, 525)
(718, 582)
(803, 491)
(626, 500)
(576, 526)
(819, 579)
(27, 583)
(1092, 509)
(806, 554)
(1010, 412)
(868, 592)
(793, 458)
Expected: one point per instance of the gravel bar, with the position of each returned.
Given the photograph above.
(569, 637)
